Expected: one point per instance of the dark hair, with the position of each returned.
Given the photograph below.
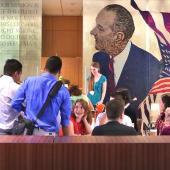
(53, 64)
(166, 100)
(11, 66)
(101, 54)
(124, 21)
(75, 91)
(124, 94)
(114, 108)
(95, 65)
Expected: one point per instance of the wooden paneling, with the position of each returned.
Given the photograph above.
(118, 153)
(26, 152)
(65, 23)
(26, 139)
(84, 153)
(47, 23)
(63, 36)
(26, 156)
(114, 139)
(72, 70)
(47, 45)
(65, 43)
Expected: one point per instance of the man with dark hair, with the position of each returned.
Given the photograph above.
(53, 65)
(124, 94)
(11, 67)
(114, 126)
(34, 92)
(124, 64)
(8, 87)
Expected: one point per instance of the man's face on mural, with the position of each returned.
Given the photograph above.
(105, 37)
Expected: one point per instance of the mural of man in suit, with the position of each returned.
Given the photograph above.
(134, 68)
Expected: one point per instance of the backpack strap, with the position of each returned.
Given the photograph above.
(54, 90)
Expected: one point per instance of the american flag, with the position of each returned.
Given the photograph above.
(161, 86)
(165, 53)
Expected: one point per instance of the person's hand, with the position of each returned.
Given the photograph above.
(77, 135)
(84, 118)
(167, 112)
(79, 117)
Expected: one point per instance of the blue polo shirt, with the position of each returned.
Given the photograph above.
(33, 93)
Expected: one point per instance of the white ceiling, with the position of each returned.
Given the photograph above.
(62, 7)
(75, 7)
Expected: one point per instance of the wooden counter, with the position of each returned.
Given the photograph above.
(112, 153)
(84, 153)
(26, 153)
(26, 139)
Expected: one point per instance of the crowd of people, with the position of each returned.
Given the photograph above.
(79, 115)
(44, 106)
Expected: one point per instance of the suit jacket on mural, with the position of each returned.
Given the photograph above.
(140, 71)
(113, 128)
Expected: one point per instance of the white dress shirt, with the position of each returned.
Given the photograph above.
(8, 89)
(125, 121)
(119, 61)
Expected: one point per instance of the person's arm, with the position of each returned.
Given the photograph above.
(65, 112)
(68, 130)
(103, 92)
(91, 107)
(17, 101)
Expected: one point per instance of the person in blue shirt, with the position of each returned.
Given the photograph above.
(34, 92)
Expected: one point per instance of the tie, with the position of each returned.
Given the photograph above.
(111, 82)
